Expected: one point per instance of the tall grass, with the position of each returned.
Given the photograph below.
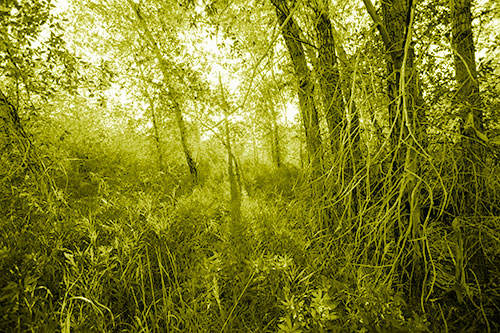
(145, 253)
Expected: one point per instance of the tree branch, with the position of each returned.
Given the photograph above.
(380, 25)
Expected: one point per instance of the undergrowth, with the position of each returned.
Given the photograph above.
(153, 253)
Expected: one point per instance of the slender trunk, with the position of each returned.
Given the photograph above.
(354, 127)
(254, 144)
(347, 77)
(233, 172)
(276, 144)
(193, 170)
(303, 156)
(155, 129)
(235, 189)
(157, 137)
(274, 133)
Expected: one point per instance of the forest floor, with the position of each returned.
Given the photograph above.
(144, 253)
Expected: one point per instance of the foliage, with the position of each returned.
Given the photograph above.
(102, 229)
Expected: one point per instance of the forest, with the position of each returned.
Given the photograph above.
(249, 166)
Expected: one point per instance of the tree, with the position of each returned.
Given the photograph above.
(232, 169)
(328, 75)
(154, 118)
(467, 100)
(291, 34)
(343, 123)
(170, 91)
(407, 134)
(268, 115)
(33, 68)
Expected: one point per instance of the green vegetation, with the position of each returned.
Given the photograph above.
(261, 166)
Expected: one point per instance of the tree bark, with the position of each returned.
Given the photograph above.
(406, 101)
(468, 101)
(342, 123)
(328, 76)
(310, 119)
(354, 163)
(193, 170)
(407, 134)
(405, 111)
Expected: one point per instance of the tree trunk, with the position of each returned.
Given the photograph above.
(155, 129)
(193, 170)
(405, 110)
(407, 134)
(328, 76)
(468, 102)
(233, 171)
(291, 33)
(405, 106)
(347, 77)
(276, 142)
(274, 138)
(233, 183)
